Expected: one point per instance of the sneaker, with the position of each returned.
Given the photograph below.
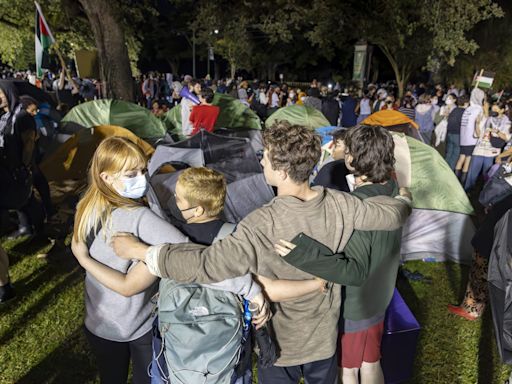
(6, 293)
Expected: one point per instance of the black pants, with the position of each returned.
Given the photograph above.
(113, 358)
(317, 372)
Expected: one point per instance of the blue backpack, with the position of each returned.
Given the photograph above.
(200, 332)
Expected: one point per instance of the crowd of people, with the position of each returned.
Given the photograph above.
(309, 256)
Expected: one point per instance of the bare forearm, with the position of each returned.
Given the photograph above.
(127, 285)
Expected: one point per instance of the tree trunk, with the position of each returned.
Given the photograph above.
(116, 75)
(401, 76)
(216, 67)
(232, 65)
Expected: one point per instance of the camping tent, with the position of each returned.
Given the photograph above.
(119, 113)
(233, 115)
(440, 225)
(71, 159)
(394, 121)
(233, 157)
(299, 114)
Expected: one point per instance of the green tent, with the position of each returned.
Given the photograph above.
(233, 115)
(300, 115)
(124, 114)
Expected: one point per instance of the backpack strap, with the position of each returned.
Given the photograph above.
(226, 230)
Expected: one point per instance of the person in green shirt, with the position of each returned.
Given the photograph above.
(368, 266)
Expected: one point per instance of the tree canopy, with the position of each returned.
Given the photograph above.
(266, 35)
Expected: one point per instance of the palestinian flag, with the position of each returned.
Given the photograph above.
(44, 39)
(483, 79)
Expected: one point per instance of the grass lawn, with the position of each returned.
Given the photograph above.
(41, 338)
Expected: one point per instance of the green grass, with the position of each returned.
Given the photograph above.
(41, 338)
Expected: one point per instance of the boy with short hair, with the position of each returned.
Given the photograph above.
(369, 264)
(204, 116)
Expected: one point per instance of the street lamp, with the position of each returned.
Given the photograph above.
(209, 54)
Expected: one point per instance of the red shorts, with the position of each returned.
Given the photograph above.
(361, 346)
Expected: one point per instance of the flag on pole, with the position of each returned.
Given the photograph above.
(44, 39)
(483, 79)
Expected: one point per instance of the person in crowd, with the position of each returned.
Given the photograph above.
(186, 107)
(368, 266)
(274, 99)
(348, 111)
(424, 116)
(6, 288)
(292, 97)
(453, 90)
(389, 103)
(204, 116)
(333, 173)
(313, 99)
(472, 119)
(477, 294)
(453, 128)
(491, 140)
(305, 329)
(379, 103)
(118, 326)
(331, 108)
(364, 108)
(243, 95)
(17, 140)
(407, 107)
(150, 89)
(155, 108)
(38, 178)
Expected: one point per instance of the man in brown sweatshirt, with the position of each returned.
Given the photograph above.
(305, 328)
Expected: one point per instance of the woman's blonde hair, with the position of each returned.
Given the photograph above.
(204, 187)
(113, 156)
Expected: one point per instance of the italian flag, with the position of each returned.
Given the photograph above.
(44, 39)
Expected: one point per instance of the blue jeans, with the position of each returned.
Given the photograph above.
(478, 165)
(452, 149)
(317, 372)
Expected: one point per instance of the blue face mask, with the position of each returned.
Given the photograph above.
(134, 187)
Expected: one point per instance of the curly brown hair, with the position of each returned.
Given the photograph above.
(372, 149)
(292, 148)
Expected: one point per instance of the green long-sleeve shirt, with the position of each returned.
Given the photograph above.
(367, 267)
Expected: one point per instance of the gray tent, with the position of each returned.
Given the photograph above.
(233, 157)
(500, 286)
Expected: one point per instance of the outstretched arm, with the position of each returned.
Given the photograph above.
(135, 281)
(348, 268)
(287, 290)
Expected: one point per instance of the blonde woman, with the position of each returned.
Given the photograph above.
(118, 317)
(118, 325)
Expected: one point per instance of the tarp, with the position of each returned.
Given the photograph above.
(71, 160)
(300, 115)
(233, 157)
(133, 117)
(394, 121)
(440, 225)
(388, 118)
(233, 115)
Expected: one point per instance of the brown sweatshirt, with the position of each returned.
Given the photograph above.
(306, 328)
